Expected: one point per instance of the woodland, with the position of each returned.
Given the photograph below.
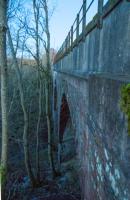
(29, 168)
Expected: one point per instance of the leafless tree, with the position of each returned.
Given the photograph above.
(41, 36)
(48, 87)
(4, 97)
(25, 112)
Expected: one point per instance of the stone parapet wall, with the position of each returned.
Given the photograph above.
(103, 50)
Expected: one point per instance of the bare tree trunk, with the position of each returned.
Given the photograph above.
(37, 58)
(49, 92)
(12, 101)
(37, 133)
(4, 97)
(26, 121)
(50, 128)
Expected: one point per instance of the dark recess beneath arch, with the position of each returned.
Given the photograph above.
(64, 116)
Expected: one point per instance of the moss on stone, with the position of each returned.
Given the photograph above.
(125, 102)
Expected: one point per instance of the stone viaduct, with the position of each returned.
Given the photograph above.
(89, 70)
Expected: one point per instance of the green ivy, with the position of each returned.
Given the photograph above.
(2, 175)
(125, 102)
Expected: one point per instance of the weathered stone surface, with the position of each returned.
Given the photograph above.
(100, 135)
(91, 77)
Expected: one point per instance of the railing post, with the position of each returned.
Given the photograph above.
(69, 40)
(62, 49)
(66, 45)
(84, 17)
(100, 12)
(71, 37)
(77, 27)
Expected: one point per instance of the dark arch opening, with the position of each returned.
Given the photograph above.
(66, 132)
(64, 116)
(67, 147)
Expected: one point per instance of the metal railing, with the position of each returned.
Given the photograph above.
(78, 28)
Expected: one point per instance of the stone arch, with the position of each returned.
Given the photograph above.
(66, 131)
(66, 94)
(64, 116)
